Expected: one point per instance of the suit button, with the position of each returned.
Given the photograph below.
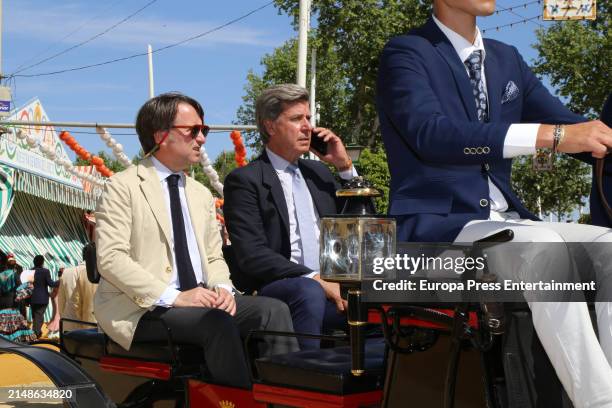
(486, 150)
(473, 150)
(466, 150)
(479, 150)
(487, 167)
(168, 269)
(484, 202)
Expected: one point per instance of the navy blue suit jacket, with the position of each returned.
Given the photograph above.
(42, 281)
(439, 155)
(257, 219)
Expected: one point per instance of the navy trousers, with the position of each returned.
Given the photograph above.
(311, 311)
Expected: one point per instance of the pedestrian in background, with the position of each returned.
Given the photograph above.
(40, 296)
(12, 324)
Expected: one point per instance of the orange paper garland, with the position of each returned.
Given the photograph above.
(240, 157)
(82, 153)
(239, 149)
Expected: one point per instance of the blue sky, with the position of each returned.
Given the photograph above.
(212, 69)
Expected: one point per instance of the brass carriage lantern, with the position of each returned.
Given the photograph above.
(350, 241)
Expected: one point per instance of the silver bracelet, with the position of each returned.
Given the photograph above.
(558, 135)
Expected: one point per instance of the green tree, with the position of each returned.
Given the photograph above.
(373, 165)
(280, 67)
(109, 161)
(349, 38)
(558, 192)
(223, 164)
(576, 57)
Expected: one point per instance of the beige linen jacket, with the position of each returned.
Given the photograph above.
(83, 296)
(76, 297)
(134, 246)
(67, 287)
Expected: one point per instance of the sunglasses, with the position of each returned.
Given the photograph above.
(194, 130)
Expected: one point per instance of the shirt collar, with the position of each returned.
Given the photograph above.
(462, 46)
(277, 162)
(163, 172)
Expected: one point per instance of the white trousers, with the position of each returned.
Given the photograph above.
(583, 364)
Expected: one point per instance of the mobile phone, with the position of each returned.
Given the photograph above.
(317, 143)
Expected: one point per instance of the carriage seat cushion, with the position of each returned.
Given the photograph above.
(325, 370)
(84, 343)
(89, 343)
(159, 352)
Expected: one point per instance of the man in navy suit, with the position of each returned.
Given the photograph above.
(40, 295)
(454, 110)
(272, 208)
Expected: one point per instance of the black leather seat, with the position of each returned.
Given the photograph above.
(91, 344)
(159, 352)
(325, 370)
(84, 343)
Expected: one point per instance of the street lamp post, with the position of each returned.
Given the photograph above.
(354, 151)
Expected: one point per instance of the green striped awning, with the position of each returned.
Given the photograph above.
(7, 193)
(53, 190)
(36, 226)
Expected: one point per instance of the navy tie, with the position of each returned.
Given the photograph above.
(186, 275)
(303, 215)
(474, 66)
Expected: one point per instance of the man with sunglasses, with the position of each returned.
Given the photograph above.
(159, 252)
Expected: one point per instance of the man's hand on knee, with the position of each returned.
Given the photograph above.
(332, 292)
(225, 301)
(196, 297)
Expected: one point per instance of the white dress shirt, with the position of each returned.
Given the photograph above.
(169, 295)
(520, 138)
(286, 179)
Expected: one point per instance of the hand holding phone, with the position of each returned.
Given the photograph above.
(317, 144)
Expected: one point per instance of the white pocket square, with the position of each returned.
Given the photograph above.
(510, 92)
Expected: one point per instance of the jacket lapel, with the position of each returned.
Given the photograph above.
(270, 181)
(152, 191)
(446, 50)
